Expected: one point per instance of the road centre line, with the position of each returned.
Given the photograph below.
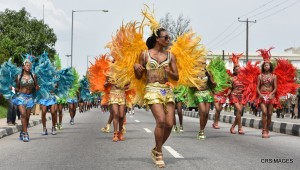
(147, 130)
(173, 152)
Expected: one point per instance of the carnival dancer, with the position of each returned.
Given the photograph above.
(222, 78)
(97, 76)
(84, 94)
(236, 95)
(48, 78)
(65, 80)
(158, 65)
(8, 73)
(60, 103)
(117, 103)
(204, 98)
(154, 72)
(73, 96)
(180, 94)
(266, 89)
(269, 86)
(26, 83)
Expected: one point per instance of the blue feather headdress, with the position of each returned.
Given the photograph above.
(28, 58)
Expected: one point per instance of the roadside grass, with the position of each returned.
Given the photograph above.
(3, 112)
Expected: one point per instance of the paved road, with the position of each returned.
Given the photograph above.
(83, 146)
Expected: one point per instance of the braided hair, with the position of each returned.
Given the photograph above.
(22, 73)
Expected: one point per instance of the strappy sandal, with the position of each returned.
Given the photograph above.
(215, 126)
(153, 154)
(121, 136)
(232, 130)
(159, 160)
(241, 131)
(265, 134)
(115, 138)
(201, 135)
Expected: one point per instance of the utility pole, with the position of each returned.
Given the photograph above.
(68, 60)
(43, 14)
(223, 55)
(247, 35)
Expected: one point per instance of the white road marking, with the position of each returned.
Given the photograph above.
(173, 152)
(131, 116)
(136, 120)
(147, 130)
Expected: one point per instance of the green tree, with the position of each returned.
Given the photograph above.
(21, 34)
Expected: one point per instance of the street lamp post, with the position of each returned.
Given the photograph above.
(87, 62)
(68, 55)
(72, 28)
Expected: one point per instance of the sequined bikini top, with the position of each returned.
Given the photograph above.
(27, 82)
(237, 86)
(153, 63)
(155, 70)
(267, 80)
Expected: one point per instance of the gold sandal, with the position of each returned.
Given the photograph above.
(159, 160)
(153, 154)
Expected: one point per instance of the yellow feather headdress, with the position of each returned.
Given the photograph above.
(154, 25)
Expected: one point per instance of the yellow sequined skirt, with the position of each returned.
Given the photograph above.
(158, 93)
(117, 97)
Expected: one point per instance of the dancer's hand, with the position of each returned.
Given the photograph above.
(167, 69)
(270, 96)
(138, 67)
(261, 96)
(106, 84)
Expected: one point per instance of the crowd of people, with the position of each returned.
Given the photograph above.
(39, 83)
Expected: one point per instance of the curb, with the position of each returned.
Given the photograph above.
(9, 130)
(279, 127)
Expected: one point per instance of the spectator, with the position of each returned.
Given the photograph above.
(11, 113)
(293, 99)
(298, 96)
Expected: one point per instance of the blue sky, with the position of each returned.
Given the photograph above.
(215, 20)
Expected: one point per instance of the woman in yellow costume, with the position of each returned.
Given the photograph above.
(114, 95)
(154, 72)
(159, 65)
(117, 101)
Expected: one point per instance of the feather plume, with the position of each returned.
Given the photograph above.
(248, 76)
(190, 60)
(8, 73)
(220, 76)
(152, 22)
(98, 72)
(286, 73)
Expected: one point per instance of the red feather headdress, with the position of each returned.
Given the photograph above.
(235, 58)
(266, 54)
